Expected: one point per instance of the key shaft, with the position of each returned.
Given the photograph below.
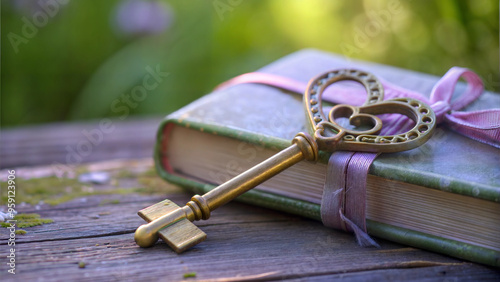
(253, 177)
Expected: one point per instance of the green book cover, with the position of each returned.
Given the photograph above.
(449, 164)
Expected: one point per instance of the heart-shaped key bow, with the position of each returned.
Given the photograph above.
(330, 136)
(174, 224)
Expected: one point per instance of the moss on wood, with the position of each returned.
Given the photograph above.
(24, 220)
(53, 190)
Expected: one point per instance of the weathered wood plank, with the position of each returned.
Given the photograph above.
(243, 242)
(466, 272)
(232, 250)
(57, 142)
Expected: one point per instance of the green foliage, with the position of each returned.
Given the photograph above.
(77, 67)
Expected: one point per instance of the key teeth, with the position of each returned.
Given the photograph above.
(182, 235)
(157, 210)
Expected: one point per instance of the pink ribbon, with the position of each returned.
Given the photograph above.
(483, 125)
(343, 205)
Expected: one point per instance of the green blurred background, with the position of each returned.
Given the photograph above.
(81, 58)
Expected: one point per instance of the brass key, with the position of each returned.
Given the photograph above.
(174, 224)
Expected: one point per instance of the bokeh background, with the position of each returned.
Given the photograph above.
(72, 60)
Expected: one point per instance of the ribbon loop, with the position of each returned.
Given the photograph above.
(445, 87)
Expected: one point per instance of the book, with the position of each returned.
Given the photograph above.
(443, 196)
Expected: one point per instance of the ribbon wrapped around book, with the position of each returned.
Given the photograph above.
(343, 204)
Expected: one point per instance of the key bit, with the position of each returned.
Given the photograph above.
(179, 233)
(174, 224)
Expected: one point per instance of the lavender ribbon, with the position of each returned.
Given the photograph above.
(343, 205)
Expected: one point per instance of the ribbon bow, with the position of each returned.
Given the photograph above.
(482, 125)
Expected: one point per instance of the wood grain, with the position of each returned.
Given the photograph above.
(54, 143)
(243, 241)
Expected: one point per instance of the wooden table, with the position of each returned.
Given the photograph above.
(91, 237)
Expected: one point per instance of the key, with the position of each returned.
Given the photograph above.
(174, 224)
